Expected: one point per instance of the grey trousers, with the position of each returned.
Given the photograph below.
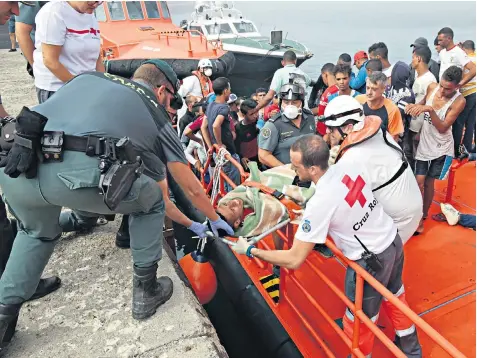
(37, 203)
(43, 95)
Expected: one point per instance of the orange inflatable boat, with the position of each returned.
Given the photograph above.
(135, 31)
(439, 276)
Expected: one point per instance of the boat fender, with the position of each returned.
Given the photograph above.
(201, 275)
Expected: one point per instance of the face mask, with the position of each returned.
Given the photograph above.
(291, 111)
(208, 72)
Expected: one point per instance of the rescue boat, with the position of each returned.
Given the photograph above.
(134, 31)
(257, 56)
(306, 319)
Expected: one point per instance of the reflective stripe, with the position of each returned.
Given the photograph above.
(398, 293)
(405, 332)
(350, 316)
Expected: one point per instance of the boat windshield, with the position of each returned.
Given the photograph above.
(152, 10)
(115, 9)
(215, 29)
(134, 10)
(100, 13)
(244, 27)
(165, 10)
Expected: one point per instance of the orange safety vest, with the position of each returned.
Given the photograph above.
(205, 83)
(372, 125)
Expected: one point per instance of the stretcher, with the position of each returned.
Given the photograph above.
(312, 300)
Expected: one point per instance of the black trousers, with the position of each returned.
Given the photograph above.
(7, 235)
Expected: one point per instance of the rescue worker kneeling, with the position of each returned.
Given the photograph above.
(78, 172)
(345, 208)
(361, 140)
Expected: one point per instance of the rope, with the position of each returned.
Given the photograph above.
(220, 161)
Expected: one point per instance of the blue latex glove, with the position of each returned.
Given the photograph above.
(220, 224)
(199, 229)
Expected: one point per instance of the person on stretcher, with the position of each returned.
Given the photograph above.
(251, 211)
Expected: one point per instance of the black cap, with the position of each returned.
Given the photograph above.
(167, 70)
(420, 42)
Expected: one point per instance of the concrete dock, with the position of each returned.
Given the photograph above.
(90, 315)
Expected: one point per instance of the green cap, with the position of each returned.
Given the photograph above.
(167, 70)
(28, 3)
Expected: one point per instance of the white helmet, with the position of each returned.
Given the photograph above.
(341, 109)
(205, 62)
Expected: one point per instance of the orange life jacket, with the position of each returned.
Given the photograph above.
(205, 83)
(372, 125)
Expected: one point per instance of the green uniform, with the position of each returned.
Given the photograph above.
(100, 105)
(279, 134)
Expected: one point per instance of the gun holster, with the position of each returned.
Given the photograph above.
(120, 168)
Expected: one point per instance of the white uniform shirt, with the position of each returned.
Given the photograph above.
(420, 90)
(57, 23)
(343, 206)
(453, 57)
(402, 199)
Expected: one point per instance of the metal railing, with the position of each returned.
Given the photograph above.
(356, 308)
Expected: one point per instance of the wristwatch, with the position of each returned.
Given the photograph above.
(249, 251)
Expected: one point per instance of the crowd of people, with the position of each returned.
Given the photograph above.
(413, 120)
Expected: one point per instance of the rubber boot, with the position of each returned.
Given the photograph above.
(149, 292)
(8, 323)
(122, 236)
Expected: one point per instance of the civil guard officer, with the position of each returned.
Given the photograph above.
(103, 140)
(281, 131)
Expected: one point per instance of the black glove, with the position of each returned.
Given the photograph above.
(24, 155)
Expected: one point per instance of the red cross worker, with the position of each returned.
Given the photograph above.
(345, 209)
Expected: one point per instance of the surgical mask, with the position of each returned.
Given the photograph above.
(291, 111)
(208, 72)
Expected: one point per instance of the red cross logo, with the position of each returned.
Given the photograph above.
(355, 190)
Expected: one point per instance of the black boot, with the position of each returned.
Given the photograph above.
(45, 287)
(149, 292)
(122, 237)
(8, 323)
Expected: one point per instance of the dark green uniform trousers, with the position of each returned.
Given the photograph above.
(37, 203)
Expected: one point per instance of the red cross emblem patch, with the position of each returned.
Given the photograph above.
(355, 190)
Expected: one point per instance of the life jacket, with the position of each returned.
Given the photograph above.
(371, 127)
(205, 83)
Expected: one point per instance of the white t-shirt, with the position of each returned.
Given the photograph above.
(402, 199)
(388, 71)
(420, 89)
(453, 57)
(190, 86)
(343, 206)
(57, 23)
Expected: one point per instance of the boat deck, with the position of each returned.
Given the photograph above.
(439, 277)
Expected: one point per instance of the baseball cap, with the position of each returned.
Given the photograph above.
(359, 55)
(167, 70)
(419, 42)
(28, 3)
(232, 98)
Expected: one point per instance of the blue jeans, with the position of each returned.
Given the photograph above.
(466, 119)
(467, 220)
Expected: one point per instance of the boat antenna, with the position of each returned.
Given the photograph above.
(286, 35)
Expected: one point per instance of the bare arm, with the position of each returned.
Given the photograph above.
(24, 40)
(192, 188)
(51, 59)
(268, 158)
(204, 130)
(469, 75)
(216, 127)
(291, 259)
(188, 133)
(171, 209)
(412, 109)
(451, 115)
(3, 113)
(265, 101)
(100, 66)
